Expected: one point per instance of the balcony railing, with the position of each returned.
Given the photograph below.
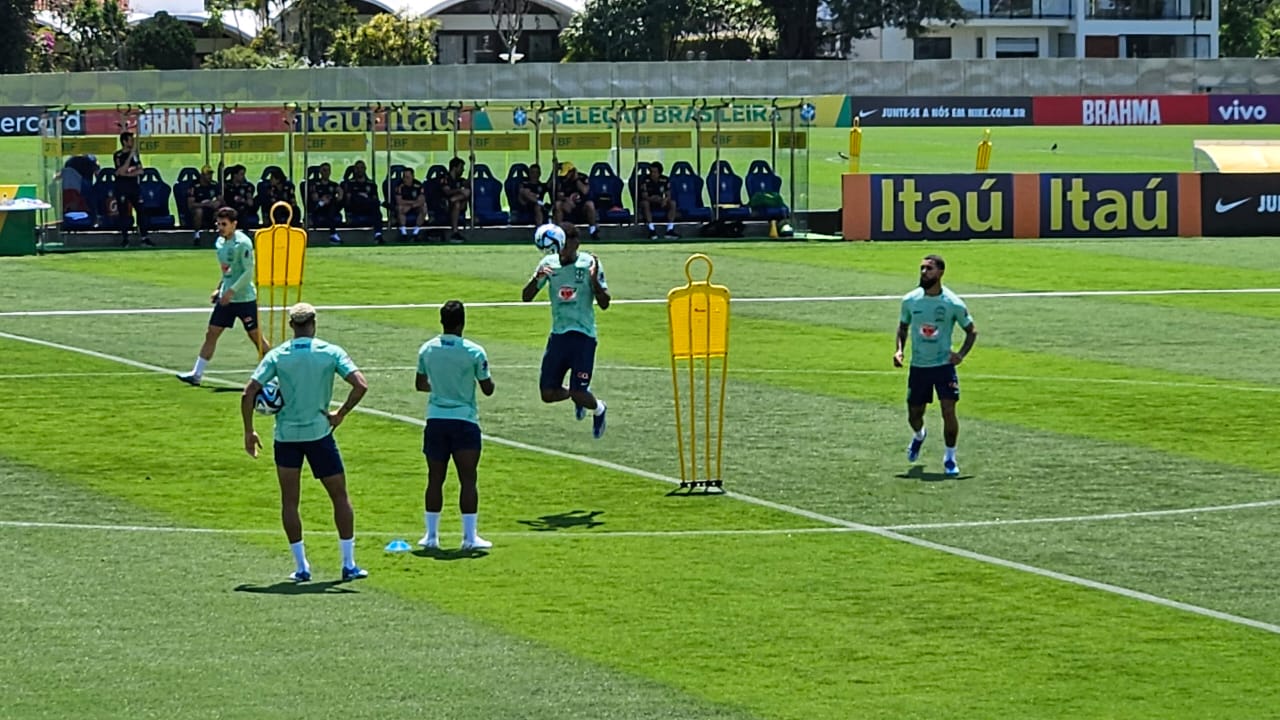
(1018, 8)
(1148, 9)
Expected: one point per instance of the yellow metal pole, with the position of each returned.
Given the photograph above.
(984, 152)
(855, 146)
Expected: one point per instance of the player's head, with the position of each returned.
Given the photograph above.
(453, 316)
(535, 172)
(237, 173)
(126, 140)
(569, 251)
(325, 170)
(931, 269)
(206, 174)
(302, 318)
(406, 175)
(226, 221)
(360, 169)
(456, 165)
(655, 169)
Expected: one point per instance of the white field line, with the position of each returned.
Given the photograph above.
(781, 507)
(1087, 518)
(36, 524)
(658, 301)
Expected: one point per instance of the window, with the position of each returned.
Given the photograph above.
(932, 48)
(1151, 46)
(981, 49)
(1066, 45)
(1017, 47)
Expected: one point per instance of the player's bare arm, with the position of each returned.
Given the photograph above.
(530, 290)
(970, 337)
(359, 386)
(486, 386)
(602, 295)
(251, 441)
(903, 329)
(422, 383)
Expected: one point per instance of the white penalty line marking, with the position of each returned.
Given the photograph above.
(781, 507)
(658, 301)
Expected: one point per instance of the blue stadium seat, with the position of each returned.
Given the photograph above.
(154, 199)
(486, 198)
(389, 187)
(517, 173)
(606, 191)
(725, 188)
(104, 200)
(77, 193)
(686, 188)
(761, 178)
(641, 170)
(187, 177)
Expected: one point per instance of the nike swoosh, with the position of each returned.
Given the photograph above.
(867, 113)
(1222, 207)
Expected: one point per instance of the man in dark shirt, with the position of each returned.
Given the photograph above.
(279, 189)
(203, 200)
(128, 190)
(410, 200)
(239, 196)
(532, 192)
(655, 193)
(360, 196)
(456, 191)
(573, 199)
(324, 206)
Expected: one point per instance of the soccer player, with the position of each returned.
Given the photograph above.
(361, 195)
(455, 190)
(325, 202)
(532, 192)
(235, 297)
(449, 368)
(411, 200)
(929, 314)
(304, 368)
(576, 280)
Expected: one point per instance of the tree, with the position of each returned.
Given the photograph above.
(631, 30)
(800, 34)
(162, 42)
(1267, 32)
(319, 22)
(16, 41)
(265, 51)
(1242, 27)
(386, 40)
(94, 32)
(508, 20)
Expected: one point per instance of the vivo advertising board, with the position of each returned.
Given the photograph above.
(1244, 109)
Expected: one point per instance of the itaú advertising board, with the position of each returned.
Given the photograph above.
(1121, 110)
(1020, 205)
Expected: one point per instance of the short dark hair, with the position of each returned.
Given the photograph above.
(570, 230)
(655, 164)
(535, 166)
(452, 315)
(226, 213)
(456, 162)
(937, 260)
(126, 136)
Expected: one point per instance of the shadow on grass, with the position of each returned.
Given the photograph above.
(450, 555)
(918, 473)
(696, 492)
(224, 389)
(289, 587)
(565, 521)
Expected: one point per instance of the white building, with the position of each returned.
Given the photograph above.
(1059, 28)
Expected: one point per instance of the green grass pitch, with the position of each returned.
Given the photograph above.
(1109, 550)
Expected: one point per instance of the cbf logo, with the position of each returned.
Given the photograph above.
(916, 207)
(1094, 205)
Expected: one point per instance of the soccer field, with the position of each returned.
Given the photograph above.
(1108, 550)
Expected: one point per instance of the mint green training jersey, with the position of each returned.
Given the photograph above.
(235, 255)
(572, 302)
(932, 318)
(453, 365)
(305, 368)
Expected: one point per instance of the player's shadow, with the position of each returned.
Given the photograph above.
(696, 492)
(450, 554)
(565, 521)
(918, 473)
(224, 389)
(289, 587)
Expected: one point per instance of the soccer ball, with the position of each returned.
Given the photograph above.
(548, 238)
(269, 400)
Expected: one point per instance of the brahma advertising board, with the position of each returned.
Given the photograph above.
(941, 207)
(1122, 110)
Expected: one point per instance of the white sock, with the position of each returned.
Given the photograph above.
(599, 407)
(433, 523)
(949, 455)
(404, 230)
(650, 227)
(348, 552)
(468, 527)
(919, 435)
(417, 230)
(299, 557)
(201, 364)
(670, 226)
(591, 229)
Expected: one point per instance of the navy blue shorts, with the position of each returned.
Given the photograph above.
(442, 438)
(923, 381)
(224, 316)
(322, 455)
(571, 352)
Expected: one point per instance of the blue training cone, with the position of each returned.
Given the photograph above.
(398, 546)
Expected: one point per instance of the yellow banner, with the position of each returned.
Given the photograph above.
(88, 145)
(738, 139)
(417, 142)
(337, 142)
(248, 144)
(170, 145)
(493, 141)
(578, 141)
(660, 139)
(797, 140)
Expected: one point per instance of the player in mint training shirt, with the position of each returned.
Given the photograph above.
(235, 297)
(576, 281)
(304, 368)
(450, 367)
(929, 313)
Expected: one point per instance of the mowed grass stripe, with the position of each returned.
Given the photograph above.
(872, 609)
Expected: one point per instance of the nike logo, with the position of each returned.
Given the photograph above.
(1222, 207)
(867, 113)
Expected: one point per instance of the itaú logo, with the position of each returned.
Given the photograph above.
(1080, 207)
(942, 210)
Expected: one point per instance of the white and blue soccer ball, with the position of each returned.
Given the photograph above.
(269, 400)
(549, 238)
